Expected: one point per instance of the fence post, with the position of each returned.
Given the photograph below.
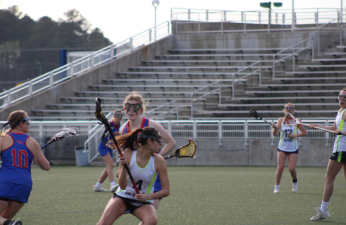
(30, 88)
(149, 35)
(112, 52)
(189, 14)
(259, 17)
(283, 19)
(246, 132)
(327, 133)
(194, 130)
(170, 127)
(220, 133)
(207, 15)
(51, 78)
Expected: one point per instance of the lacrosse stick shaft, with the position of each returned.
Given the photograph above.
(121, 154)
(319, 128)
(48, 143)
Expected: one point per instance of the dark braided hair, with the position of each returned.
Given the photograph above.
(131, 141)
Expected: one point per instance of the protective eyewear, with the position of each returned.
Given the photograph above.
(342, 97)
(27, 120)
(135, 107)
(158, 139)
(118, 115)
(289, 108)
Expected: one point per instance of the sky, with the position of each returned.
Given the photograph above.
(119, 20)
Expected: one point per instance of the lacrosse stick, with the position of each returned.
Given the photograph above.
(253, 113)
(101, 117)
(65, 132)
(296, 121)
(186, 151)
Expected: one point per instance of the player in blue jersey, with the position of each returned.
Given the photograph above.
(134, 106)
(106, 151)
(18, 150)
(145, 166)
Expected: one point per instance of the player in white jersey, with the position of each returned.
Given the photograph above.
(337, 159)
(145, 165)
(288, 147)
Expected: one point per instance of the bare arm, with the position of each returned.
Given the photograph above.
(170, 142)
(161, 168)
(39, 158)
(277, 126)
(302, 133)
(122, 173)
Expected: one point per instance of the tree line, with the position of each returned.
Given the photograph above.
(30, 48)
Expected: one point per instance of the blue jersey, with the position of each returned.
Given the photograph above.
(16, 162)
(115, 130)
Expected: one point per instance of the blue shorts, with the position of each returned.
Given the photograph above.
(103, 150)
(15, 192)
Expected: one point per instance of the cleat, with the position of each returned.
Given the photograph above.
(320, 215)
(17, 222)
(114, 188)
(99, 189)
(294, 187)
(276, 190)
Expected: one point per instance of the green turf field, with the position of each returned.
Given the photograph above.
(199, 195)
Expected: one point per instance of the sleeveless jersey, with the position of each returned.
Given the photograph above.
(115, 130)
(126, 127)
(340, 140)
(16, 162)
(144, 177)
(286, 143)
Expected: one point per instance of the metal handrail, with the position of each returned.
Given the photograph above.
(167, 104)
(292, 47)
(70, 70)
(206, 94)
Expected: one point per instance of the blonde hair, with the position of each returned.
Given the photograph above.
(14, 119)
(134, 95)
(284, 110)
(344, 89)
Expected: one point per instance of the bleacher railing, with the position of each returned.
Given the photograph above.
(218, 130)
(82, 65)
(276, 20)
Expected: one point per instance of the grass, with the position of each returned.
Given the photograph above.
(199, 195)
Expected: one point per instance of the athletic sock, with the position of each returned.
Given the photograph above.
(98, 184)
(324, 206)
(295, 180)
(277, 186)
(112, 184)
(7, 222)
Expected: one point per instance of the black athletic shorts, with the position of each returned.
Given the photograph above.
(339, 156)
(131, 204)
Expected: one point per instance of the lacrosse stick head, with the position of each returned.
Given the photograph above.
(65, 132)
(253, 113)
(289, 120)
(98, 112)
(188, 150)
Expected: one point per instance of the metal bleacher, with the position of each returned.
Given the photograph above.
(209, 84)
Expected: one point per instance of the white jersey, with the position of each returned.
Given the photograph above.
(340, 140)
(144, 177)
(286, 143)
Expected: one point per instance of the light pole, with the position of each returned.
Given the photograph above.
(155, 4)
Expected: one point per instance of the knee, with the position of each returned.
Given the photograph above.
(280, 168)
(292, 170)
(152, 220)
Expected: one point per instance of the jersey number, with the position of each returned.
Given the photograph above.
(22, 158)
(139, 184)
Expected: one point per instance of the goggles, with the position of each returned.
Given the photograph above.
(342, 97)
(135, 107)
(157, 138)
(289, 108)
(27, 120)
(118, 115)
